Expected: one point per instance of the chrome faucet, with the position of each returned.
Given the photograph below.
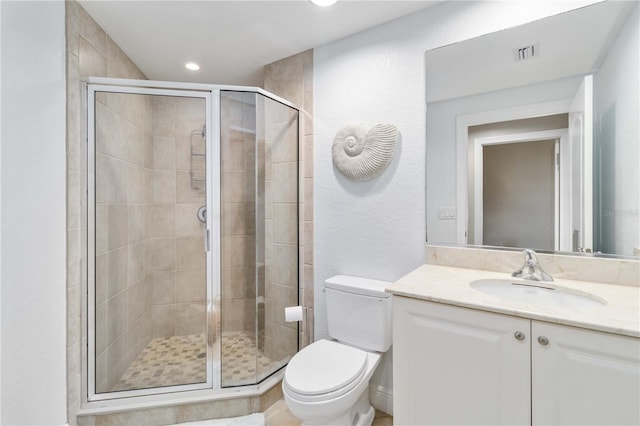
(531, 270)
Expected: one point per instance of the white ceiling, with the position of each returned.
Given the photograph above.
(568, 44)
(232, 40)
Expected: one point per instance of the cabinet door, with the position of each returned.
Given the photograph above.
(583, 377)
(459, 366)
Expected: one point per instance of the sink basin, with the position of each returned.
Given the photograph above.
(539, 293)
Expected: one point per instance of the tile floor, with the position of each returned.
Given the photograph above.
(167, 361)
(179, 360)
(239, 361)
(279, 415)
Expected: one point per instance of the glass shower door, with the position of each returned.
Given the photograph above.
(148, 266)
(192, 242)
(259, 193)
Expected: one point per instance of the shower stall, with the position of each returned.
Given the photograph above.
(192, 236)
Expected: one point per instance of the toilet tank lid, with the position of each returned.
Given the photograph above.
(358, 285)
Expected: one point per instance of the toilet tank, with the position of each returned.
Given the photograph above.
(359, 312)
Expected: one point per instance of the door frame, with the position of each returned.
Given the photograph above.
(561, 185)
(581, 111)
(212, 232)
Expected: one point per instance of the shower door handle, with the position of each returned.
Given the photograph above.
(207, 244)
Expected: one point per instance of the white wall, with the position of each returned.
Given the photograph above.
(377, 229)
(617, 88)
(33, 312)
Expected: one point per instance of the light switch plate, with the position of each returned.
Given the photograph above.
(446, 213)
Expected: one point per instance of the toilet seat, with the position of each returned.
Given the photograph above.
(324, 370)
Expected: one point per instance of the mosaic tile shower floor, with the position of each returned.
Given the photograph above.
(167, 361)
(239, 360)
(179, 360)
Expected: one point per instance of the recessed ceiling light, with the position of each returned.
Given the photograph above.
(323, 3)
(192, 66)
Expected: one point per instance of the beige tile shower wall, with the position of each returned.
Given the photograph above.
(90, 52)
(238, 189)
(175, 189)
(292, 79)
(123, 308)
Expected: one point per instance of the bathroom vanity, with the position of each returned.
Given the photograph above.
(465, 356)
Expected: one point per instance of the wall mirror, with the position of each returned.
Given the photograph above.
(533, 135)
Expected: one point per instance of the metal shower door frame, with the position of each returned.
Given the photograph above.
(212, 231)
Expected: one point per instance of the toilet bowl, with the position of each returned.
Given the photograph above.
(327, 382)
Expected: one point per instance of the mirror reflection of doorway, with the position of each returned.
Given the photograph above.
(519, 194)
(528, 183)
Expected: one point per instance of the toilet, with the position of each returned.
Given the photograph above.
(327, 382)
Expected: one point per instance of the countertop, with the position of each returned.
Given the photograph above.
(445, 284)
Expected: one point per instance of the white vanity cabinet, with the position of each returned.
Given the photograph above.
(456, 365)
(584, 377)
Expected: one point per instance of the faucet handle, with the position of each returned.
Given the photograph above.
(530, 257)
(531, 269)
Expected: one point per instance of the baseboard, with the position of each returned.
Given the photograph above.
(381, 399)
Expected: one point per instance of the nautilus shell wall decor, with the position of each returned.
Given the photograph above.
(362, 155)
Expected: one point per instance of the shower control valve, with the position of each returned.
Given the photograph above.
(202, 214)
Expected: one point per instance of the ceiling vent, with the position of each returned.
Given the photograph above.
(526, 52)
